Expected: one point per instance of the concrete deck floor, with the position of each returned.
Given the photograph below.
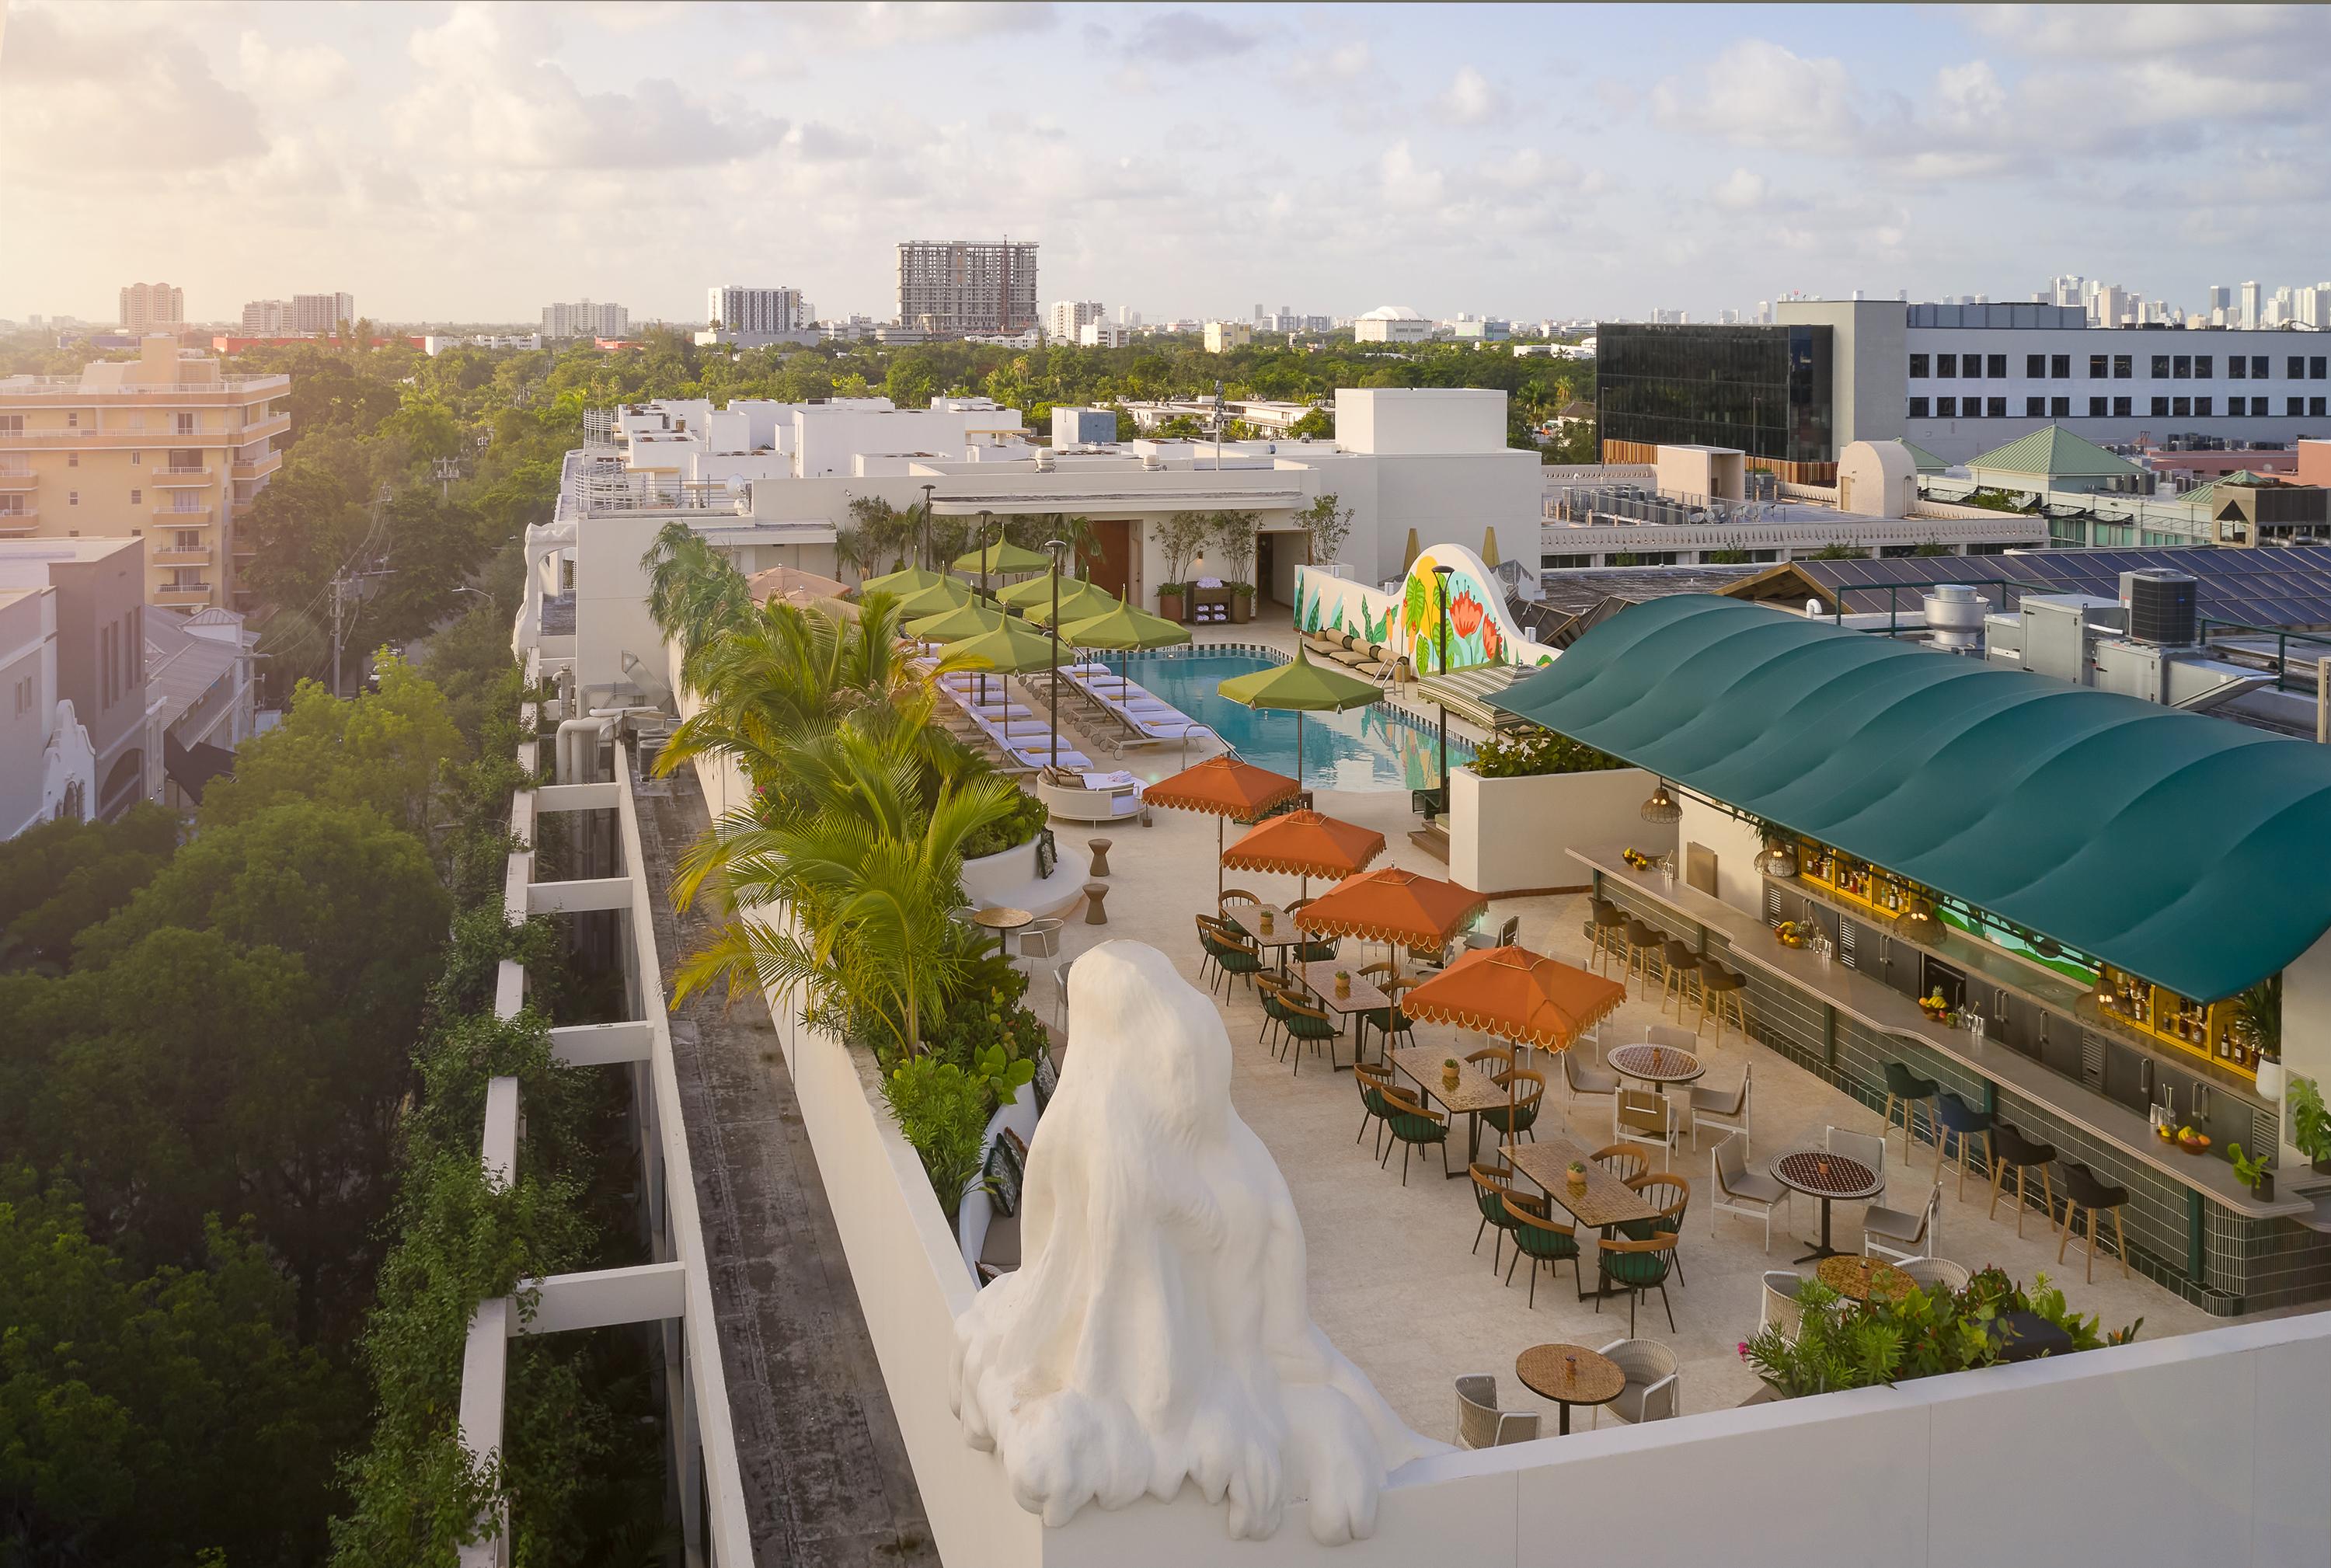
(1393, 1281)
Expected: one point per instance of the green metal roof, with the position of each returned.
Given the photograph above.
(2182, 848)
(1925, 461)
(2056, 454)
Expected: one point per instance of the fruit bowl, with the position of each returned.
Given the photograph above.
(2192, 1142)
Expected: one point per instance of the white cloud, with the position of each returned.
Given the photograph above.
(1189, 37)
(1470, 98)
(293, 72)
(1741, 191)
(1757, 93)
(115, 95)
(881, 24)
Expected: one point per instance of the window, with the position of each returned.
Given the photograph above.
(12, 424)
(2096, 367)
(2237, 367)
(2298, 367)
(2124, 366)
(2202, 406)
(1971, 368)
(137, 498)
(72, 498)
(2121, 407)
(1998, 367)
(2316, 367)
(1998, 409)
(2181, 368)
(2202, 363)
(2035, 365)
(2294, 406)
(2060, 407)
(2161, 367)
(2161, 407)
(1917, 408)
(2181, 407)
(73, 460)
(1946, 365)
(2059, 366)
(189, 540)
(2315, 407)
(1947, 408)
(133, 459)
(186, 423)
(2258, 367)
(72, 420)
(1918, 367)
(2238, 406)
(2035, 407)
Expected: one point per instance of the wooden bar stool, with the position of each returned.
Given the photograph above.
(1954, 1118)
(2083, 1190)
(1645, 947)
(1610, 934)
(1906, 1089)
(1682, 981)
(1721, 992)
(2011, 1150)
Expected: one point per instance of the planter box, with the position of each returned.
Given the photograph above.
(1509, 835)
(1170, 606)
(1013, 879)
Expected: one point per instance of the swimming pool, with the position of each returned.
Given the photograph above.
(1364, 748)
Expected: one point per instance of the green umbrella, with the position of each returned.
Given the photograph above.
(1010, 648)
(1031, 592)
(913, 580)
(1301, 687)
(1003, 559)
(940, 597)
(1078, 601)
(963, 621)
(1124, 629)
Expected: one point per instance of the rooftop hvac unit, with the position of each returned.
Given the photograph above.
(1955, 617)
(2160, 606)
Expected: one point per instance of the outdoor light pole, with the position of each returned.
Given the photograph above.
(1057, 547)
(927, 525)
(1442, 572)
(983, 592)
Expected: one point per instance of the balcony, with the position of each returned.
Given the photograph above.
(257, 468)
(273, 425)
(69, 389)
(186, 516)
(172, 555)
(180, 478)
(16, 522)
(185, 593)
(18, 479)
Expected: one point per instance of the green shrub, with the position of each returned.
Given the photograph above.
(1025, 820)
(1538, 752)
(942, 1111)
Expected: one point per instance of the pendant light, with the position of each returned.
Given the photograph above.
(1778, 858)
(1661, 807)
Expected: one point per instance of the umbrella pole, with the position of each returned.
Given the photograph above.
(1218, 862)
(1298, 752)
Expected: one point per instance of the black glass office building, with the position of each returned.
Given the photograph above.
(1763, 390)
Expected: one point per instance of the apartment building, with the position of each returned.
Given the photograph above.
(586, 319)
(1066, 320)
(1222, 337)
(308, 315)
(97, 622)
(955, 288)
(153, 307)
(742, 308)
(47, 769)
(165, 448)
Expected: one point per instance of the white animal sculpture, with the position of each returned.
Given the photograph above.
(1158, 1328)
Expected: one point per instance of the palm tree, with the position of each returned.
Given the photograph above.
(694, 592)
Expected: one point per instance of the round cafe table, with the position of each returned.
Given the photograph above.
(1658, 1064)
(1002, 920)
(1818, 1174)
(1864, 1278)
(1569, 1375)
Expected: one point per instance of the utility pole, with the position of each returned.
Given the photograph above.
(448, 469)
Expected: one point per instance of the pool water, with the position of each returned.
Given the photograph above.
(1370, 749)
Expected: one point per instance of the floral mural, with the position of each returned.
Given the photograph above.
(1410, 622)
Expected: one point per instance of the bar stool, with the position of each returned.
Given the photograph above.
(2011, 1150)
(1956, 1119)
(2083, 1190)
(1609, 933)
(1645, 947)
(1682, 981)
(1721, 991)
(1904, 1085)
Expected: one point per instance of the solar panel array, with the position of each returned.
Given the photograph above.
(2286, 587)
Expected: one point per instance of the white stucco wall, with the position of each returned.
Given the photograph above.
(1510, 834)
(1735, 842)
(2307, 1028)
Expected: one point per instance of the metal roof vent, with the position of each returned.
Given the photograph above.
(1954, 613)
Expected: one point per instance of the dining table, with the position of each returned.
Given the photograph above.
(1600, 1202)
(1819, 1174)
(1002, 920)
(1283, 934)
(1864, 1278)
(1476, 1091)
(1363, 995)
(1654, 1064)
(1570, 1374)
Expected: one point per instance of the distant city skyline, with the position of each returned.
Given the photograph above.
(465, 163)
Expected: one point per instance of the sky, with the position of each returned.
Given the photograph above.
(462, 162)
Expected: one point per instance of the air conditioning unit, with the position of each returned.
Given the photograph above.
(2160, 606)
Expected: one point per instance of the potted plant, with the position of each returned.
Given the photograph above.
(2310, 1124)
(1173, 601)
(1574, 1173)
(1343, 983)
(1241, 604)
(2258, 1026)
(2252, 1173)
(1448, 1073)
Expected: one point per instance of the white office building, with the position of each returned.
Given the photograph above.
(1391, 324)
(1066, 319)
(1104, 335)
(585, 318)
(747, 310)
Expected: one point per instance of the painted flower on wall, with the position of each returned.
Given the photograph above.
(1493, 642)
(1465, 614)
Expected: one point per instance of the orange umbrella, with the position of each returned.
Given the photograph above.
(788, 582)
(1306, 844)
(1225, 787)
(1391, 906)
(1517, 995)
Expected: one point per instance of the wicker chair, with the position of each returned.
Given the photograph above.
(1653, 1393)
(1372, 1081)
(1480, 1424)
(1637, 1266)
(1307, 1022)
(1929, 1272)
(1495, 1196)
(1624, 1161)
(1528, 1089)
(1268, 990)
(1413, 1125)
(1783, 1312)
(1236, 956)
(1671, 1194)
(1546, 1242)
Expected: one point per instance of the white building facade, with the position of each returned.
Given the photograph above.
(585, 318)
(743, 308)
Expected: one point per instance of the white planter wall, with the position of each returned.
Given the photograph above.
(1508, 834)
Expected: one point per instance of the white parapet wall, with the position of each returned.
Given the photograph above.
(1513, 835)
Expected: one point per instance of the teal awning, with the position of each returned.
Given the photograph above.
(2187, 850)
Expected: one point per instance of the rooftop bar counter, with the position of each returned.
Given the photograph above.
(2072, 1078)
